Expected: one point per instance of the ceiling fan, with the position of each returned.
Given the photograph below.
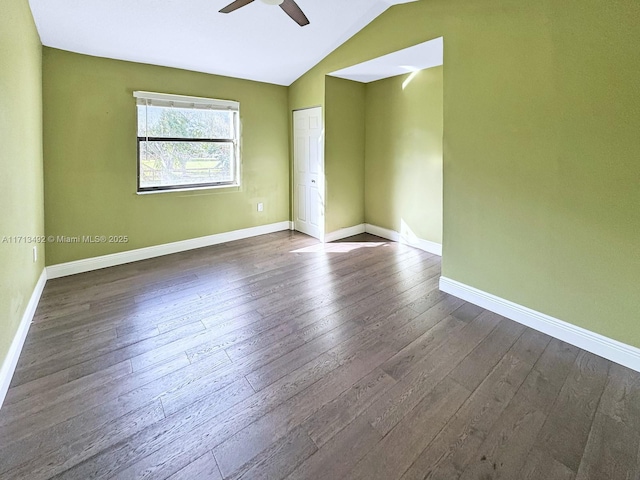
(290, 7)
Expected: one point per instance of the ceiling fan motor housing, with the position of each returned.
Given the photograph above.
(290, 7)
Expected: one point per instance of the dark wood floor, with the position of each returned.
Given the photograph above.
(276, 357)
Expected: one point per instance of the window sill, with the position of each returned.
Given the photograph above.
(235, 187)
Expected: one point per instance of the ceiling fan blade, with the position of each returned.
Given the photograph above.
(293, 10)
(235, 5)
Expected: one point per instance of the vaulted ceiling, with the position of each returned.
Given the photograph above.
(257, 42)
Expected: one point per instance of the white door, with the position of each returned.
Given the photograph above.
(308, 168)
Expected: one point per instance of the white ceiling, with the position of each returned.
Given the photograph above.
(257, 42)
(424, 55)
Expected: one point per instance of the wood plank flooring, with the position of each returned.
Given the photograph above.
(277, 357)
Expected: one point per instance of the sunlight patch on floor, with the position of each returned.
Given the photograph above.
(339, 247)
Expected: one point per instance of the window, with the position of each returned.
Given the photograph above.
(186, 142)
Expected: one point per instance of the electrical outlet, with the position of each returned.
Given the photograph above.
(261, 207)
(35, 254)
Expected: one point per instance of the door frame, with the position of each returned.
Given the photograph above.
(321, 174)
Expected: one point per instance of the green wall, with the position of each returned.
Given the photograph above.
(20, 162)
(403, 167)
(344, 153)
(90, 157)
(541, 167)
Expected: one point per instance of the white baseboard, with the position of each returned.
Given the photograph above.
(382, 232)
(96, 263)
(11, 360)
(344, 233)
(608, 348)
(426, 245)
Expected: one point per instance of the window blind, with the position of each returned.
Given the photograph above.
(181, 101)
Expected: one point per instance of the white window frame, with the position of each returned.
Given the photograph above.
(180, 101)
